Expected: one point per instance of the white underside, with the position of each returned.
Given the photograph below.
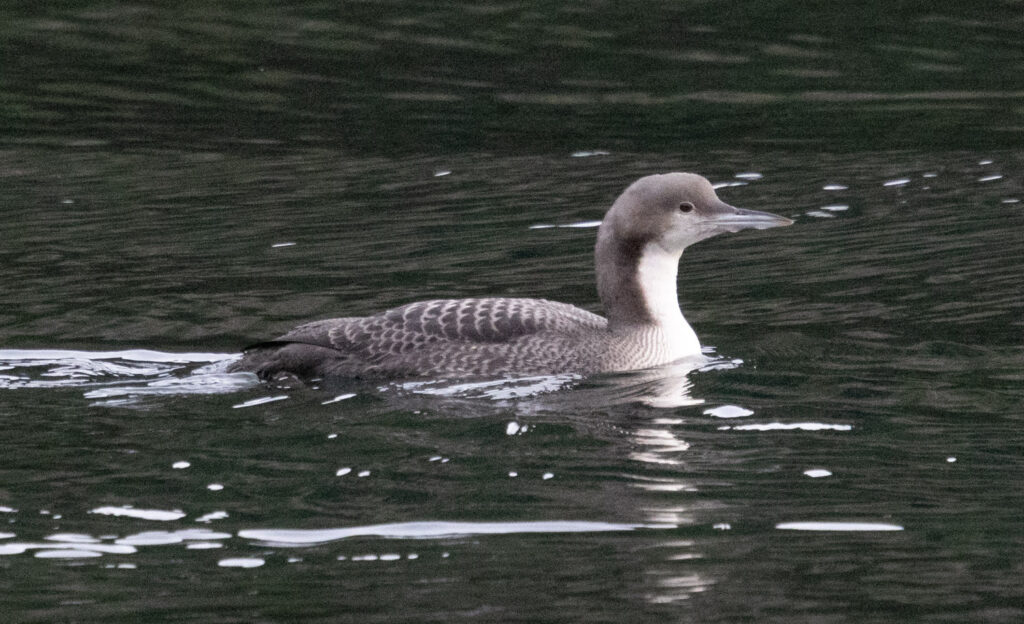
(657, 275)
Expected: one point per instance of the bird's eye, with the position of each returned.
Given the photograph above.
(685, 207)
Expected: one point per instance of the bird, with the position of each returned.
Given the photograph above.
(639, 244)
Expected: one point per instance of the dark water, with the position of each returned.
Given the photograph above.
(175, 183)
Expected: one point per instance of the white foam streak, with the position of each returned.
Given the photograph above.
(838, 526)
(142, 514)
(161, 538)
(115, 376)
(728, 411)
(260, 401)
(578, 224)
(17, 548)
(130, 355)
(241, 562)
(777, 426)
(434, 530)
(220, 383)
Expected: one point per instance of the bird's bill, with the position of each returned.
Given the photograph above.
(730, 219)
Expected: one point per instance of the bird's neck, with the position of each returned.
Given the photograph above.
(637, 285)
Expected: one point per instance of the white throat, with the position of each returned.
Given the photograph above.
(656, 273)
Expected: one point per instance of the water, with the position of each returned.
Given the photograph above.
(176, 184)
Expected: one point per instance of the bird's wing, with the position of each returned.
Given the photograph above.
(486, 320)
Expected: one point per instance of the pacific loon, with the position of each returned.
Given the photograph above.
(639, 244)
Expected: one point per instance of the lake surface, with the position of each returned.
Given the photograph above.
(176, 184)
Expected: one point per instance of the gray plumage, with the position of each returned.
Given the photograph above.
(637, 253)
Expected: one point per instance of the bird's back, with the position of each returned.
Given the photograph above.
(454, 337)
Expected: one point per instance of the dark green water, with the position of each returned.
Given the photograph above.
(154, 162)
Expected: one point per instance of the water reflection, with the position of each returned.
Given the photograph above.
(659, 446)
(666, 386)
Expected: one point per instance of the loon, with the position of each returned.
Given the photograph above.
(639, 243)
